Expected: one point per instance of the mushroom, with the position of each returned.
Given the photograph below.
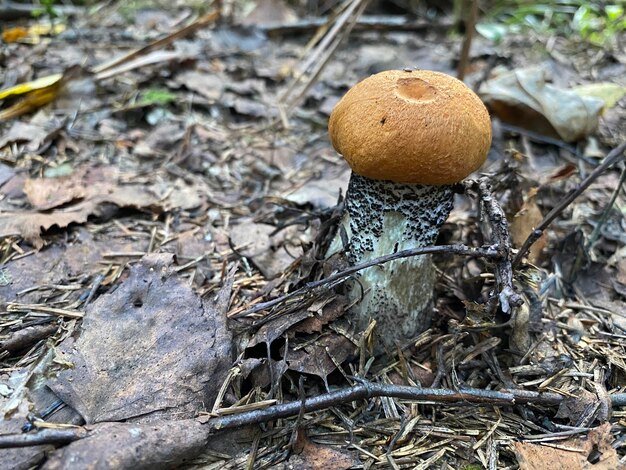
(408, 136)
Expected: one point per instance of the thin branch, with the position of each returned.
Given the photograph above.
(364, 23)
(607, 211)
(470, 27)
(613, 157)
(365, 390)
(330, 281)
(42, 437)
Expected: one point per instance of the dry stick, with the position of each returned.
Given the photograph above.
(322, 54)
(607, 210)
(364, 23)
(321, 47)
(325, 58)
(365, 390)
(470, 27)
(159, 43)
(499, 237)
(487, 252)
(613, 157)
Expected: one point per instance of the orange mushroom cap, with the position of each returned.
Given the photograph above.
(419, 126)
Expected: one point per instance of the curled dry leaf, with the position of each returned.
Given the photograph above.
(523, 98)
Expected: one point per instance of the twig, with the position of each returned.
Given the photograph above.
(45, 436)
(28, 336)
(501, 239)
(319, 57)
(363, 391)
(470, 27)
(487, 252)
(613, 157)
(61, 312)
(158, 44)
(607, 210)
(364, 23)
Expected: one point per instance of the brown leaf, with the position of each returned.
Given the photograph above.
(268, 253)
(330, 311)
(29, 224)
(87, 192)
(131, 446)
(86, 181)
(57, 263)
(575, 407)
(275, 328)
(24, 132)
(319, 357)
(522, 225)
(205, 84)
(581, 453)
(311, 456)
(151, 348)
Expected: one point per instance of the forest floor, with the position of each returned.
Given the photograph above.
(151, 203)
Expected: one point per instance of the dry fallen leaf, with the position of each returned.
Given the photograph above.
(24, 132)
(206, 84)
(131, 446)
(523, 98)
(78, 255)
(87, 192)
(29, 225)
(321, 356)
(270, 254)
(580, 453)
(152, 348)
(310, 456)
(524, 222)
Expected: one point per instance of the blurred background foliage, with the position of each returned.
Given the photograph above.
(598, 23)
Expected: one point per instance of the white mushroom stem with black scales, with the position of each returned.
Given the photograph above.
(408, 136)
(383, 217)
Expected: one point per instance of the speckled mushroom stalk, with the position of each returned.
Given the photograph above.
(408, 137)
(383, 217)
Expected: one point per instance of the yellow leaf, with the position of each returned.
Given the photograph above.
(608, 92)
(33, 100)
(46, 29)
(27, 87)
(14, 34)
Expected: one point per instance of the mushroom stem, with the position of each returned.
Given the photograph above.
(384, 217)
